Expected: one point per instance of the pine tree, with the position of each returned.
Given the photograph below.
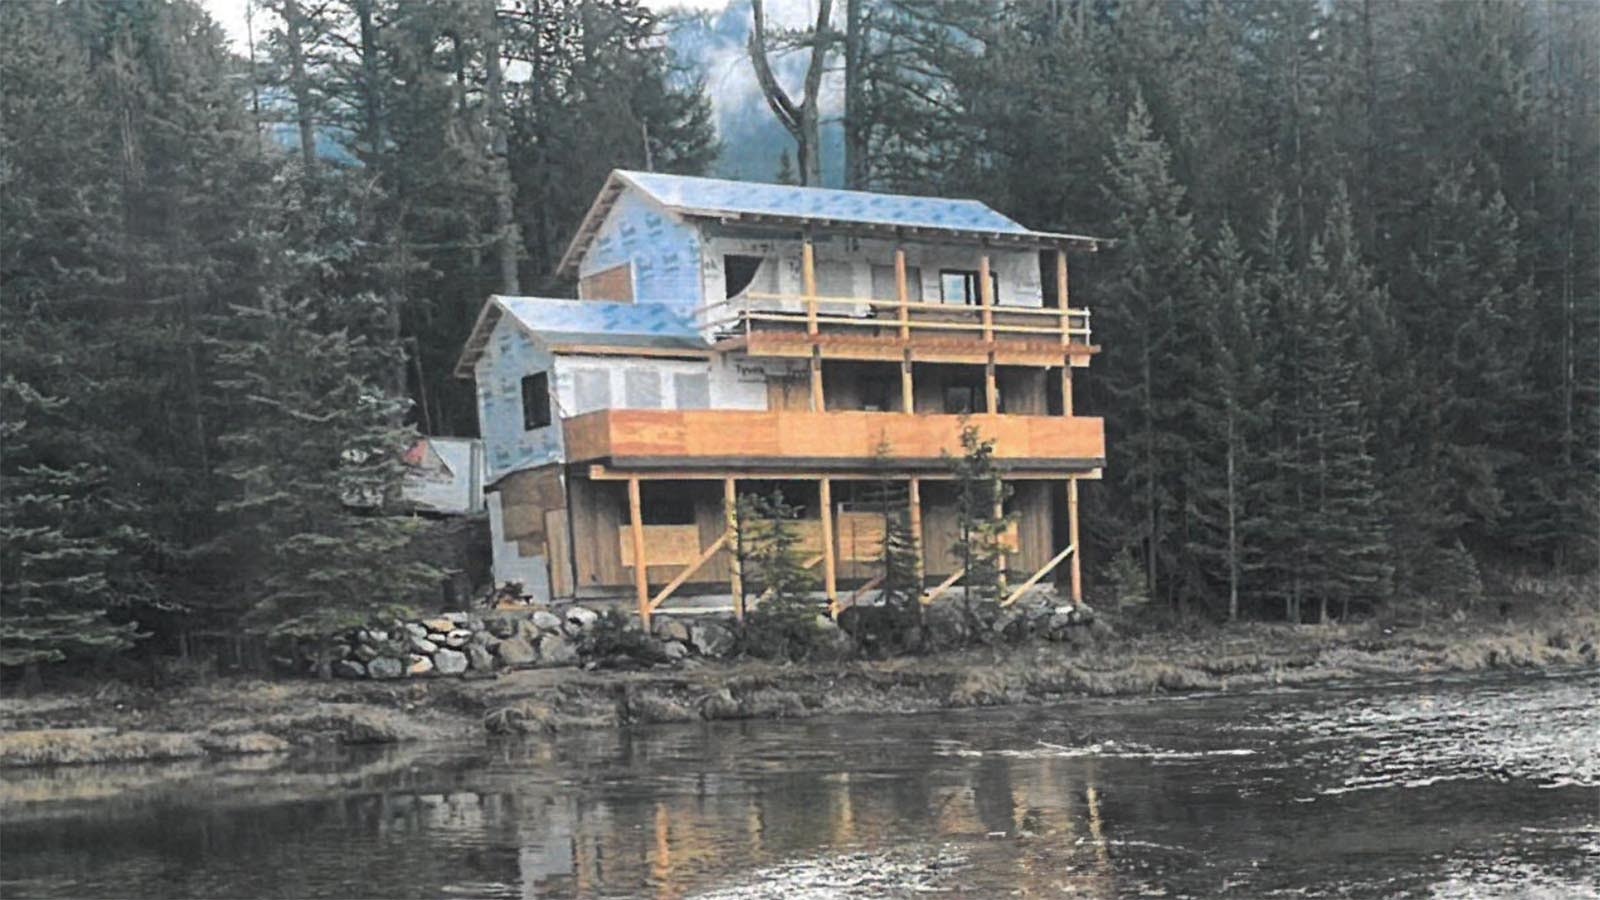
(315, 461)
(783, 624)
(1343, 507)
(1231, 420)
(1148, 312)
(981, 523)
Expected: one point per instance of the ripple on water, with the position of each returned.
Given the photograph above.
(1415, 739)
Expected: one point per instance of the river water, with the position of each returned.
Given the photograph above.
(1461, 788)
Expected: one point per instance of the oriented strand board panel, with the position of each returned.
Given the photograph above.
(615, 283)
(560, 552)
(664, 545)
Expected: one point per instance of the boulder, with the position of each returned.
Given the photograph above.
(339, 651)
(421, 646)
(669, 629)
(712, 638)
(458, 638)
(458, 619)
(545, 620)
(483, 639)
(364, 653)
(419, 665)
(501, 626)
(581, 617)
(515, 652)
(479, 658)
(440, 625)
(386, 667)
(349, 668)
(674, 650)
(415, 630)
(557, 650)
(450, 662)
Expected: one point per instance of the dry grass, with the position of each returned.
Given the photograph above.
(70, 746)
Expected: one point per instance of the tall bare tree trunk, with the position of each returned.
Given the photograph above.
(508, 237)
(801, 120)
(293, 22)
(855, 88)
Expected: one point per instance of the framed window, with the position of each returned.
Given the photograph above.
(961, 286)
(535, 401)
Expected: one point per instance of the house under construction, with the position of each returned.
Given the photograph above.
(731, 337)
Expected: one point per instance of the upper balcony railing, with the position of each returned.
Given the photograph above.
(756, 311)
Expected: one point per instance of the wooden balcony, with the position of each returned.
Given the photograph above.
(826, 442)
(858, 328)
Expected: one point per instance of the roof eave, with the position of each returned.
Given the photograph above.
(963, 235)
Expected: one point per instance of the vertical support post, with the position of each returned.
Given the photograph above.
(1063, 298)
(999, 514)
(808, 282)
(641, 568)
(808, 286)
(902, 292)
(830, 584)
(1077, 547)
(986, 297)
(916, 531)
(991, 387)
(908, 399)
(730, 513)
(991, 391)
(1066, 387)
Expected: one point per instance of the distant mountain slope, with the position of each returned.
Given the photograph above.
(712, 46)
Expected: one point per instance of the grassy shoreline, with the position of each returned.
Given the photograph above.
(230, 717)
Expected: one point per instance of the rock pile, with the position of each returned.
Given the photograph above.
(477, 645)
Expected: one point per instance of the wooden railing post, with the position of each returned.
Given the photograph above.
(829, 563)
(641, 568)
(730, 512)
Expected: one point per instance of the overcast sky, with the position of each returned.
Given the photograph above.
(230, 14)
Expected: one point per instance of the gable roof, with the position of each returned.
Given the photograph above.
(781, 204)
(557, 323)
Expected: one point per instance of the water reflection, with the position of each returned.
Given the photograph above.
(1198, 796)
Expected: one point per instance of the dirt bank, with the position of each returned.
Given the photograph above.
(120, 722)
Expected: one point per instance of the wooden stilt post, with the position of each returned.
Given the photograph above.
(999, 515)
(808, 286)
(916, 531)
(730, 511)
(641, 567)
(908, 400)
(830, 584)
(1072, 536)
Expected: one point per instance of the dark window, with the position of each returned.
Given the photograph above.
(535, 401)
(738, 272)
(960, 399)
(961, 286)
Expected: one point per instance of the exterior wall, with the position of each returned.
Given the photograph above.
(1017, 271)
(664, 252)
(730, 383)
(507, 446)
